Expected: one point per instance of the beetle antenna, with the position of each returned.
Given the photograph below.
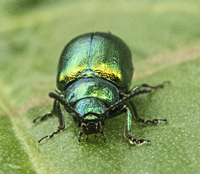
(63, 102)
(124, 100)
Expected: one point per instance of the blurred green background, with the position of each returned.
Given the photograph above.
(164, 37)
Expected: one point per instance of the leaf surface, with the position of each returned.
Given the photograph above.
(164, 39)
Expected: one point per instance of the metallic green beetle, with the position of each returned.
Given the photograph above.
(93, 81)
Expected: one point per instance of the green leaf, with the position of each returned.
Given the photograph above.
(174, 145)
(13, 159)
(164, 40)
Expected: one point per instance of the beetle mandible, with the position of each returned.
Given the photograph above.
(94, 76)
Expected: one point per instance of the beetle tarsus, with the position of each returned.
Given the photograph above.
(138, 119)
(42, 118)
(137, 141)
(153, 121)
(36, 119)
(49, 114)
(43, 138)
(50, 136)
(104, 136)
(155, 87)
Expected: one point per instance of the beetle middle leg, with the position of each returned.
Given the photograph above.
(138, 119)
(127, 131)
(149, 86)
(61, 122)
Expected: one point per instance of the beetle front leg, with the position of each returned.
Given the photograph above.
(127, 131)
(61, 123)
(49, 114)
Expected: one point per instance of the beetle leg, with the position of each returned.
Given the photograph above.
(149, 86)
(49, 114)
(61, 123)
(79, 137)
(116, 112)
(125, 99)
(49, 136)
(127, 132)
(63, 102)
(60, 118)
(138, 119)
(104, 136)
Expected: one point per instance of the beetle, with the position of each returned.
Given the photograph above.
(93, 84)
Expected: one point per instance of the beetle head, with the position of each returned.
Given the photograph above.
(90, 127)
(91, 124)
